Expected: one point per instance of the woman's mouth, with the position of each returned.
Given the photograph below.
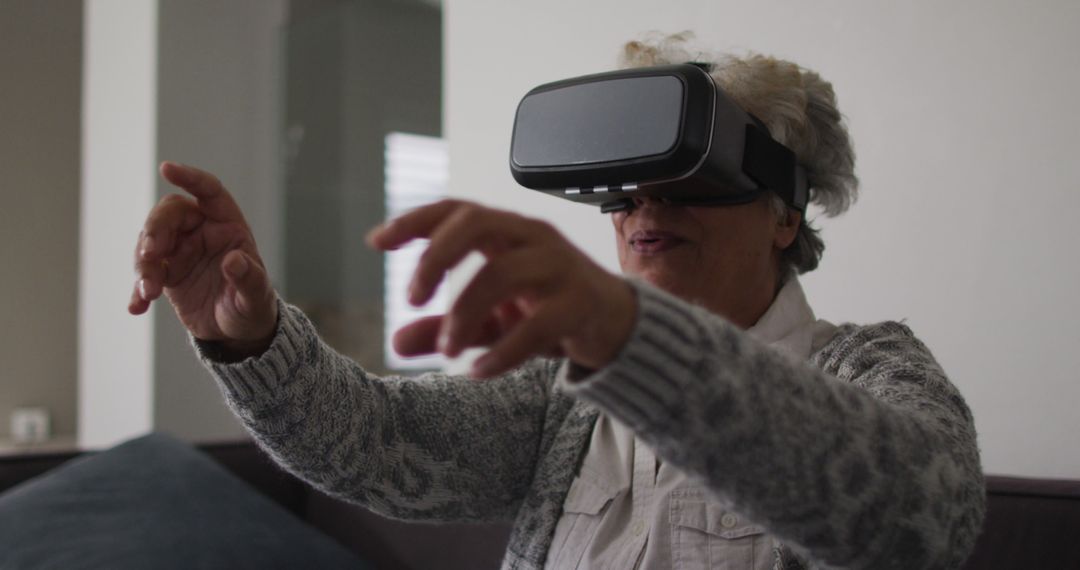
(654, 241)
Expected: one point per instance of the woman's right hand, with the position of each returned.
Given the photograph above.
(201, 254)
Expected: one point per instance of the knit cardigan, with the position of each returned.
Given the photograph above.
(864, 457)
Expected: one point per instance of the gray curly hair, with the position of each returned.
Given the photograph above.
(799, 109)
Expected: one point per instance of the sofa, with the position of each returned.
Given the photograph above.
(1030, 524)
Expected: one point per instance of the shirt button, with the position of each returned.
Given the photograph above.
(639, 527)
(729, 520)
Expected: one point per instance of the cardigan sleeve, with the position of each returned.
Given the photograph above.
(865, 457)
(433, 447)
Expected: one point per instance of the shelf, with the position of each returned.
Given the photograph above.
(58, 444)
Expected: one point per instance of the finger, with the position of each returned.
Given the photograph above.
(214, 200)
(252, 286)
(463, 231)
(535, 335)
(173, 215)
(137, 305)
(151, 276)
(156, 273)
(149, 272)
(188, 254)
(507, 316)
(510, 275)
(143, 293)
(419, 337)
(416, 223)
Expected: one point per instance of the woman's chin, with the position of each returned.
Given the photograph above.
(665, 278)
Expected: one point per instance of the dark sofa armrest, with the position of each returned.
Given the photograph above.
(15, 469)
(1030, 523)
(249, 463)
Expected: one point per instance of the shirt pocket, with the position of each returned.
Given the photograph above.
(708, 534)
(584, 507)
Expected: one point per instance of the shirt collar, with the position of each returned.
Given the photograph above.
(787, 323)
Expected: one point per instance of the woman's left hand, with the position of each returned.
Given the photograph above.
(536, 294)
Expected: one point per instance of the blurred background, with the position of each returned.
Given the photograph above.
(325, 116)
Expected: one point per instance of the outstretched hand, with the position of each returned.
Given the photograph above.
(536, 294)
(200, 253)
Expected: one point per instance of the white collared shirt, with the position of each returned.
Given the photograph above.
(627, 509)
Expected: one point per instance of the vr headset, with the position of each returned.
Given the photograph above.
(667, 132)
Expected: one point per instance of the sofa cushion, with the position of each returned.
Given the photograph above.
(154, 502)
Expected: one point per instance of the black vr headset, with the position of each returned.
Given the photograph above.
(667, 132)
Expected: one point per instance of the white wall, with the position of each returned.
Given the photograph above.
(963, 115)
(119, 129)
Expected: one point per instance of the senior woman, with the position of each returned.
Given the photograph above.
(692, 414)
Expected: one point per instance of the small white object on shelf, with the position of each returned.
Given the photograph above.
(30, 426)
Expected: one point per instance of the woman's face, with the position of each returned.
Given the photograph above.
(725, 258)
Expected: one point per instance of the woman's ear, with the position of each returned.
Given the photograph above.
(787, 227)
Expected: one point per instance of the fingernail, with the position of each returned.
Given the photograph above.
(369, 238)
(148, 245)
(414, 293)
(443, 342)
(142, 289)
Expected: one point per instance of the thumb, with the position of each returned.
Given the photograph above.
(252, 286)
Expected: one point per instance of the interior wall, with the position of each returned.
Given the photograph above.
(193, 81)
(963, 119)
(337, 115)
(232, 79)
(218, 85)
(119, 105)
(40, 73)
